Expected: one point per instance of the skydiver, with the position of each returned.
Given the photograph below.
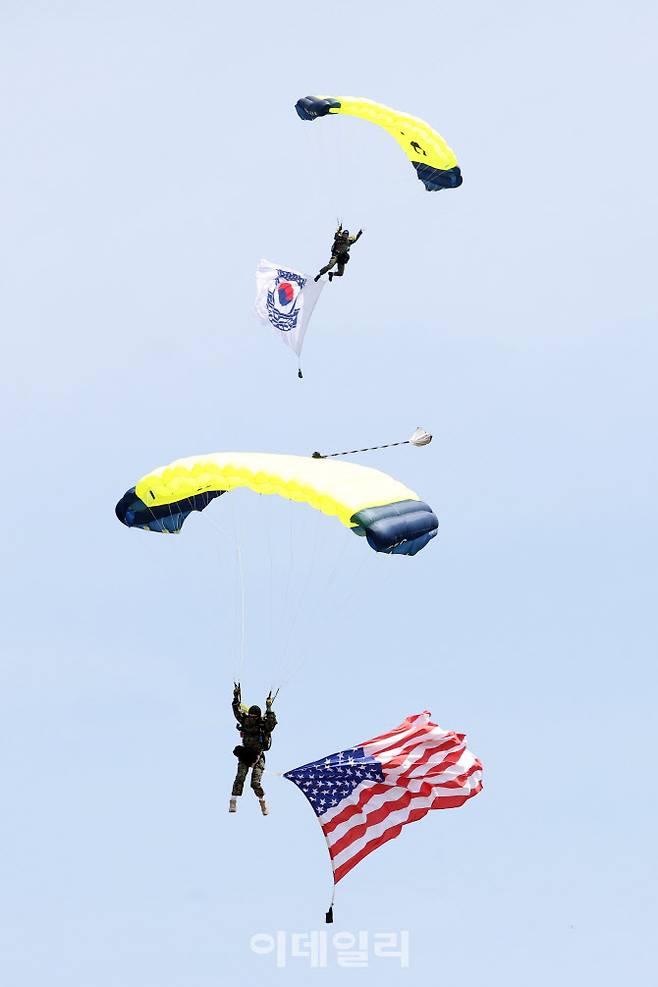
(256, 733)
(340, 253)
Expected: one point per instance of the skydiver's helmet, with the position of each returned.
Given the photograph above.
(345, 233)
(254, 711)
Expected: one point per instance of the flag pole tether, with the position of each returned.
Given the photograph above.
(329, 916)
(418, 439)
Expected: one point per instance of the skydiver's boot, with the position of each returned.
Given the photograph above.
(317, 278)
(331, 275)
(233, 805)
(263, 806)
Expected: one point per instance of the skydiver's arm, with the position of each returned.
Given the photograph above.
(353, 239)
(269, 720)
(237, 712)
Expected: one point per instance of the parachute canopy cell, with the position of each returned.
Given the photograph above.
(434, 160)
(392, 517)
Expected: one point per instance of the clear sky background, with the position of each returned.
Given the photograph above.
(150, 156)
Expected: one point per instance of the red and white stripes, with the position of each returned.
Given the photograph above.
(424, 768)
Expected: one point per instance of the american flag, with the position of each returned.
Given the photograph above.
(365, 795)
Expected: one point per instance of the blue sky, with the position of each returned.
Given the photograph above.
(151, 155)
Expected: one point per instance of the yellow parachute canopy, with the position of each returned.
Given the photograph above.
(389, 514)
(434, 160)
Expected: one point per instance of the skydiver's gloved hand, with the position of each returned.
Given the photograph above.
(269, 701)
(358, 235)
(236, 690)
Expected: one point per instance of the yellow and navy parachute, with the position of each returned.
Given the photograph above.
(435, 162)
(392, 517)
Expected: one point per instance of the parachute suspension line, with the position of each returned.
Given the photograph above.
(241, 601)
(345, 600)
(294, 578)
(270, 639)
(232, 617)
(223, 536)
(293, 600)
(301, 654)
(148, 506)
(317, 520)
(157, 569)
(270, 593)
(342, 608)
(219, 528)
(330, 150)
(284, 608)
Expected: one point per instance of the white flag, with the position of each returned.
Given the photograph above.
(285, 300)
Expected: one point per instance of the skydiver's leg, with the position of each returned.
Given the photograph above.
(256, 775)
(338, 273)
(240, 775)
(333, 260)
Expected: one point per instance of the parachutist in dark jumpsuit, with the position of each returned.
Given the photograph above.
(340, 253)
(256, 732)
